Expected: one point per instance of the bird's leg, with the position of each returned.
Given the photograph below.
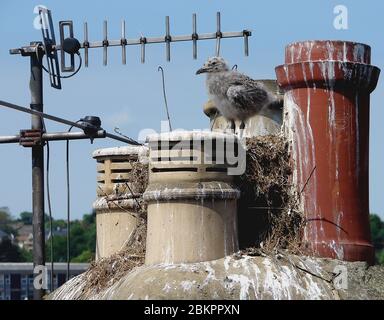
(241, 128)
(214, 120)
(233, 126)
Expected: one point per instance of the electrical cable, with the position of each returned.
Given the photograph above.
(72, 74)
(68, 207)
(49, 211)
(160, 68)
(64, 121)
(63, 77)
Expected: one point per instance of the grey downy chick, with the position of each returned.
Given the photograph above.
(235, 95)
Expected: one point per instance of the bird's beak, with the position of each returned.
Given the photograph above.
(201, 70)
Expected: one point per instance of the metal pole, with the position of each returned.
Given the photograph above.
(67, 122)
(57, 136)
(36, 88)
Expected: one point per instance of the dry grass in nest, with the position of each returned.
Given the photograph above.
(266, 189)
(107, 271)
(138, 178)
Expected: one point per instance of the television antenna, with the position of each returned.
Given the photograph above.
(36, 137)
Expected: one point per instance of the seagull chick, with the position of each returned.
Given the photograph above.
(235, 95)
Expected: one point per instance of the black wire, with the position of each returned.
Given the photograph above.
(78, 68)
(68, 208)
(49, 211)
(63, 77)
(160, 68)
(50, 217)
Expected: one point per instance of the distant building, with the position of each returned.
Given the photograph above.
(16, 279)
(58, 232)
(24, 237)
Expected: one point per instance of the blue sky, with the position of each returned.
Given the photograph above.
(131, 96)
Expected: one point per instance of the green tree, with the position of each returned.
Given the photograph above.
(377, 231)
(59, 249)
(82, 244)
(6, 221)
(380, 257)
(26, 217)
(9, 252)
(85, 256)
(26, 256)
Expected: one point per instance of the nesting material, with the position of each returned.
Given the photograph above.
(268, 197)
(106, 271)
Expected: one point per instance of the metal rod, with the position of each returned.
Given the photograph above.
(63, 121)
(246, 47)
(36, 88)
(168, 39)
(41, 114)
(195, 36)
(143, 41)
(219, 34)
(105, 43)
(56, 136)
(123, 43)
(203, 36)
(10, 139)
(86, 44)
(122, 139)
(130, 42)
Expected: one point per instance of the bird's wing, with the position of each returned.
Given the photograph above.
(246, 94)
